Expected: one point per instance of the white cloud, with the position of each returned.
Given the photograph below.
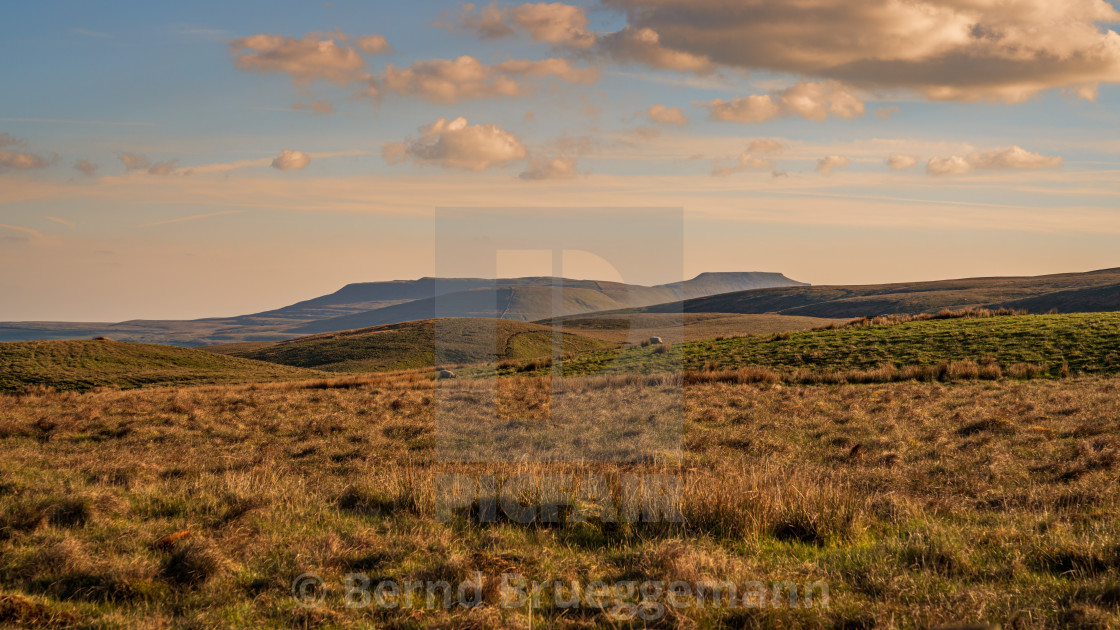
(565, 27)
(550, 168)
(134, 161)
(321, 106)
(556, 23)
(457, 144)
(886, 112)
(746, 162)
(291, 160)
(163, 168)
(899, 162)
(338, 58)
(22, 161)
(1011, 158)
(19, 160)
(308, 58)
(954, 165)
(87, 168)
(765, 145)
(487, 22)
(643, 46)
(814, 101)
(373, 44)
(466, 78)
(832, 164)
(663, 115)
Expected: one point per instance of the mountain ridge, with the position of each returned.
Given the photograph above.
(1066, 292)
(525, 299)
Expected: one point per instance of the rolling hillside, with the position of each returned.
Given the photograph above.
(1094, 299)
(1075, 292)
(82, 365)
(676, 327)
(414, 345)
(1087, 342)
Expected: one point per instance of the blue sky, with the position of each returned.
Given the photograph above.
(1009, 172)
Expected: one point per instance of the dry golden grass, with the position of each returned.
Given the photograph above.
(920, 504)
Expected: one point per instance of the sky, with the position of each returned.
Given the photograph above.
(182, 160)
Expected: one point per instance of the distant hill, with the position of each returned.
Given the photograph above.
(1091, 300)
(414, 345)
(367, 296)
(376, 303)
(513, 303)
(1073, 292)
(716, 283)
(81, 365)
(530, 299)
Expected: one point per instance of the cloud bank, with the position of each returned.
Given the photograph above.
(450, 81)
(963, 50)
(966, 50)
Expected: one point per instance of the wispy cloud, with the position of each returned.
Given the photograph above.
(59, 221)
(712, 82)
(194, 217)
(233, 166)
(68, 121)
(28, 231)
(89, 33)
(202, 32)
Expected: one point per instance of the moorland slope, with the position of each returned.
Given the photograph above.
(83, 365)
(411, 345)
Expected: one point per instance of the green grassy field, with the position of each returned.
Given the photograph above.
(82, 365)
(634, 327)
(1088, 343)
(414, 345)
